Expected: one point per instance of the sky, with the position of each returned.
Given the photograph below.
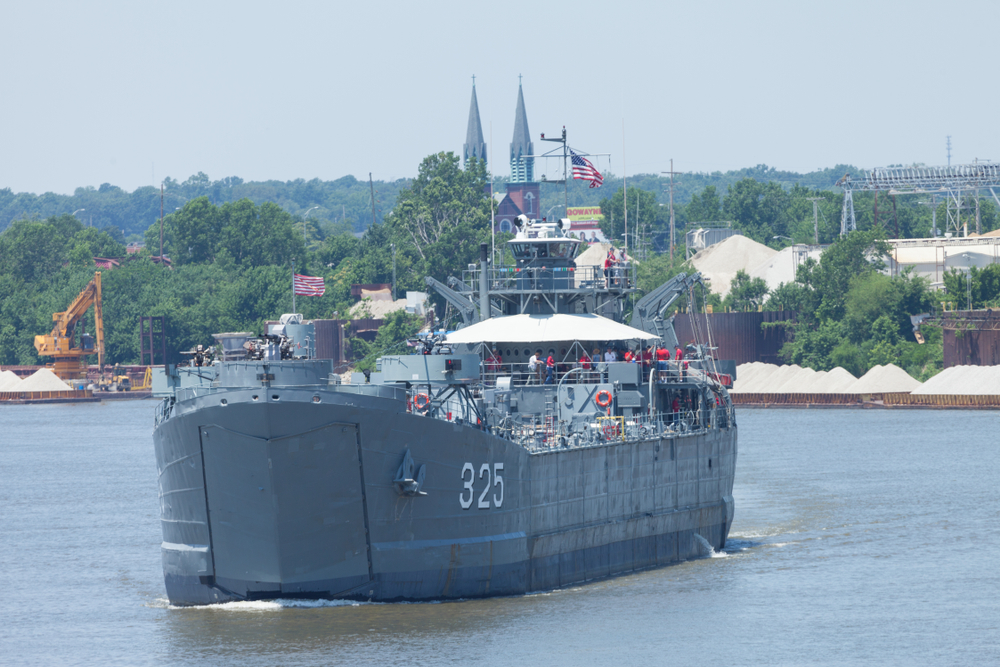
(129, 93)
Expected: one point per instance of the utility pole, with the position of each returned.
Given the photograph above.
(161, 224)
(393, 246)
(671, 172)
(933, 204)
(371, 185)
(816, 217)
(895, 219)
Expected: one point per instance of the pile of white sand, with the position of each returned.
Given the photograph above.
(835, 381)
(761, 378)
(720, 262)
(964, 380)
(42, 380)
(783, 267)
(883, 379)
(8, 380)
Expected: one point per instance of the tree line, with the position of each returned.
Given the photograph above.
(232, 266)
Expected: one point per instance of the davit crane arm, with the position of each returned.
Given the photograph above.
(465, 306)
(60, 343)
(649, 310)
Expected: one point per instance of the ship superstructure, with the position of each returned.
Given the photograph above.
(502, 458)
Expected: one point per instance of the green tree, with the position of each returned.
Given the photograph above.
(195, 232)
(759, 209)
(745, 293)
(440, 220)
(396, 328)
(704, 207)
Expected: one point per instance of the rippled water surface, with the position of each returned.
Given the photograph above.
(861, 537)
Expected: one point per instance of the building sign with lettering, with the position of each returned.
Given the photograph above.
(586, 223)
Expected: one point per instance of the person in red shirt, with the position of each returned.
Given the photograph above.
(680, 354)
(662, 354)
(550, 369)
(494, 362)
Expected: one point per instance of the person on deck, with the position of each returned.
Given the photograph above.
(550, 369)
(493, 363)
(680, 354)
(585, 366)
(610, 355)
(533, 370)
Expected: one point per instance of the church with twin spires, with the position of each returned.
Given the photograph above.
(522, 196)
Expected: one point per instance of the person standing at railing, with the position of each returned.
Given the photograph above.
(493, 364)
(533, 369)
(585, 365)
(550, 369)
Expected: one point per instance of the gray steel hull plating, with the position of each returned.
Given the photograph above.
(286, 497)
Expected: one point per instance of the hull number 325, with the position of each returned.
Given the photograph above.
(483, 503)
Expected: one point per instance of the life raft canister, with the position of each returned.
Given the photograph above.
(421, 401)
(603, 398)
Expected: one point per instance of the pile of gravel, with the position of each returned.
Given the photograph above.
(8, 380)
(720, 262)
(42, 380)
(964, 380)
(884, 379)
(835, 381)
(761, 378)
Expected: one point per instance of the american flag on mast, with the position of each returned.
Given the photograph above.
(307, 285)
(583, 169)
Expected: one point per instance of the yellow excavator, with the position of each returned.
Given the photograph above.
(61, 344)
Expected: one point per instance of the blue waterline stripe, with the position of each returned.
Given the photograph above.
(421, 544)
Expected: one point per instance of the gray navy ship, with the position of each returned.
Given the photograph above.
(463, 470)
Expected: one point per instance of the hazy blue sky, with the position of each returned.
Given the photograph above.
(131, 92)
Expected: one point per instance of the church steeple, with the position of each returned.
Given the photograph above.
(475, 146)
(522, 169)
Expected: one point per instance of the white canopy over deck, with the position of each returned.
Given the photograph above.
(546, 329)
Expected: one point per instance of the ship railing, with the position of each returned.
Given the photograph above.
(162, 411)
(377, 390)
(539, 433)
(541, 277)
(589, 373)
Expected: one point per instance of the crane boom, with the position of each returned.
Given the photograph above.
(465, 306)
(61, 343)
(648, 312)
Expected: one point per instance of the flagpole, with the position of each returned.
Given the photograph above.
(493, 214)
(293, 284)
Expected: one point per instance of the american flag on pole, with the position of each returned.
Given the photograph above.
(308, 286)
(583, 169)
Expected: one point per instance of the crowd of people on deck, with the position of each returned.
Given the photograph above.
(544, 369)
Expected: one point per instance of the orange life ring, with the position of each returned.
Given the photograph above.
(603, 398)
(421, 404)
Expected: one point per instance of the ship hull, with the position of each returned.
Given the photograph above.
(292, 494)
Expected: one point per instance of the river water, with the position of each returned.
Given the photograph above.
(860, 537)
